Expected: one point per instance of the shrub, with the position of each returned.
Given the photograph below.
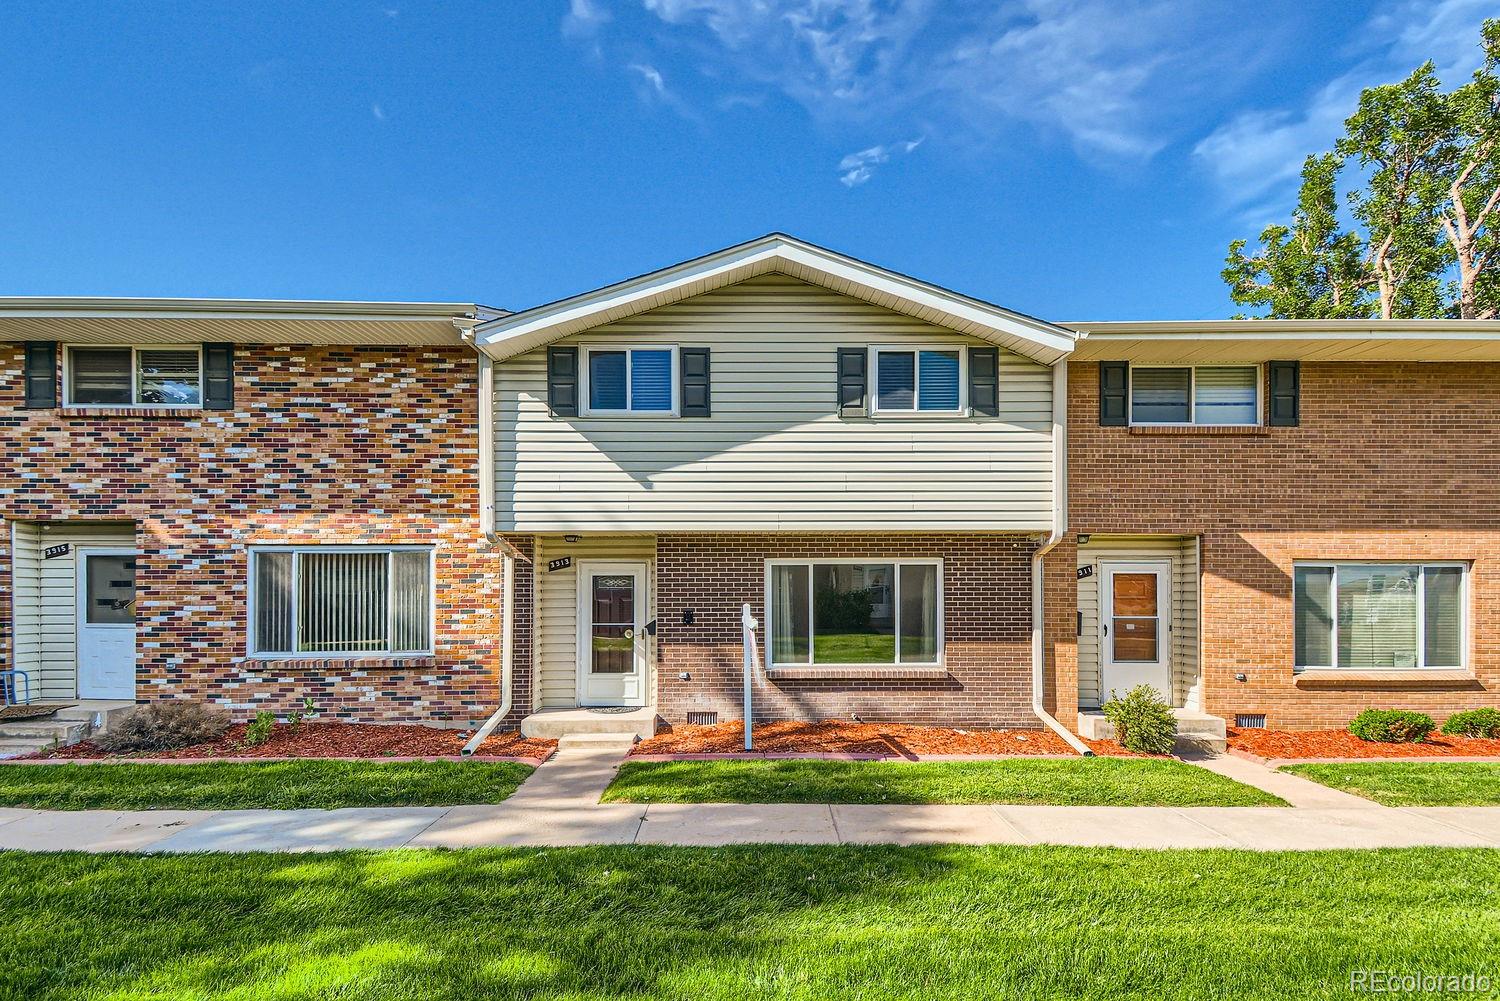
(1474, 723)
(259, 731)
(1391, 726)
(165, 726)
(1143, 720)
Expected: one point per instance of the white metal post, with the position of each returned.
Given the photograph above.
(747, 635)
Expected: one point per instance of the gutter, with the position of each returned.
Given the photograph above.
(1059, 529)
(487, 525)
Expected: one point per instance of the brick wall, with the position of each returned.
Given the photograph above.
(1392, 461)
(986, 625)
(324, 445)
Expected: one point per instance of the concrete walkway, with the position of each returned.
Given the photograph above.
(559, 805)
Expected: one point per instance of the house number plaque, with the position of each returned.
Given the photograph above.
(561, 564)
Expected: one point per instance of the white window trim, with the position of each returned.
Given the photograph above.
(135, 377)
(252, 641)
(1421, 565)
(916, 350)
(1260, 397)
(583, 382)
(897, 564)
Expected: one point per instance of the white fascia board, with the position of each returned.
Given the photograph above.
(511, 335)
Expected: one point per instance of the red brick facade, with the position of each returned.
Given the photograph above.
(1391, 461)
(324, 445)
(986, 628)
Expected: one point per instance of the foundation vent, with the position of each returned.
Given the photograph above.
(1250, 721)
(702, 719)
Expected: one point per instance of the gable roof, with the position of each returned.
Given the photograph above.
(507, 336)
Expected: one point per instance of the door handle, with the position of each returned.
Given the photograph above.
(1106, 628)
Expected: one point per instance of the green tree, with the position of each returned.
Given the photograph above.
(1424, 242)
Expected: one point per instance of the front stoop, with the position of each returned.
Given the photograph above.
(63, 727)
(1197, 731)
(574, 724)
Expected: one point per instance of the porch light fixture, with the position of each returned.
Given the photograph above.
(572, 538)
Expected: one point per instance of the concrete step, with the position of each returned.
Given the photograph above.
(1197, 732)
(554, 724)
(621, 742)
(107, 712)
(64, 731)
(14, 747)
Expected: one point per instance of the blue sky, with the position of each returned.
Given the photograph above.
(1074, 159)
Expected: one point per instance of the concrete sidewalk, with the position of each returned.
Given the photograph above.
(559, 805)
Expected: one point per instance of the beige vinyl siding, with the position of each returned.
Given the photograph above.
(557, 611)
(47, 599)
(775, 455)
(1183, 552)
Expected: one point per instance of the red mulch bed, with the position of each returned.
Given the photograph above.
(840, 737)
(333, 740)
(1343, 744)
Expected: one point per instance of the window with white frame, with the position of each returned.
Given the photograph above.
(918, 380)
(1379, 616)
(1205, 394)
(341, 601)
(619, 381)
(155, 376)
(867, 612)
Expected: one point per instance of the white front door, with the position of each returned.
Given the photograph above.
(1135, 624)
(612, 642)
(106, 624)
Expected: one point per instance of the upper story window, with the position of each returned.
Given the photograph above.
(619, 381)
(1379, 616)
(1205, 395)
(156, 376)
(918, 380)
(341, 601)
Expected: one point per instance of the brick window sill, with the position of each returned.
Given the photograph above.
(1195, 431)
(338, 663)
(153, 413)
(1404, 681)
(831, 673)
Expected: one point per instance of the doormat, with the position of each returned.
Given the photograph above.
(33, 711)
(611, 710)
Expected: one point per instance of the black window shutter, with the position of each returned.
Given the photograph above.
(984, 382)
(1114, 387)
(562, 381)
(852, 364)
(696, 392)
(218, 377)
(41, 374)
(1286, 392)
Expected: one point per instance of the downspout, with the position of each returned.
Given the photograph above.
(487, 525)
(1059, 529)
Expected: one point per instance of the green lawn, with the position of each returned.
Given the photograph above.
(1069, 782)
(1412, 783)
(640, 922)
(272, 785)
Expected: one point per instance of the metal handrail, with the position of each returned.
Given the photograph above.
(8, 687)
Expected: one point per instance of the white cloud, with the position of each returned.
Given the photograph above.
(651, 75)
(857, 168)
(378, 112)
(1260, 152)
(584, 19)
(1098, 72)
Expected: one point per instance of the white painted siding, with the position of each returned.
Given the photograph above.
(1184, 556)
(775, 455)
(557, 612)
(47, 599)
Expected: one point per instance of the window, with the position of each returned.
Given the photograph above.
(1207, 394)
(631, 381)
(1378, 616)
(341, 602)
(913, 381)
(865, 612)
(127, 377)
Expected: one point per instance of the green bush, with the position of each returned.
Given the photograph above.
(165, 726)
(259, 731)
(1391, 726)
(1143, 720)
(1474, 723)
